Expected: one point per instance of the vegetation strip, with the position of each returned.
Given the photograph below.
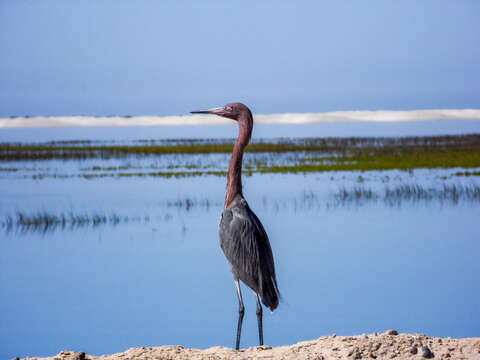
(352, 146)
(405, 161)
(304, 155)
(411, 192)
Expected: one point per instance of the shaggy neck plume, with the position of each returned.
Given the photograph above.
(234, 183)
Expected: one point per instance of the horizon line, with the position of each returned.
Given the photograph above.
(208, 120)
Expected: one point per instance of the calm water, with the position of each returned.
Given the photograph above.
(157, 276)
(342, 129)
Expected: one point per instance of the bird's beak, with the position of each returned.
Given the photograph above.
(215, 111)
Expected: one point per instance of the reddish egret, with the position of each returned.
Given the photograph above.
(242, 236)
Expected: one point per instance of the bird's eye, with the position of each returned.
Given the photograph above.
(228, 108)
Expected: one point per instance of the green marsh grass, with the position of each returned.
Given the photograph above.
(283, 155)
(467, 173)
(352, 146)
(2, 169)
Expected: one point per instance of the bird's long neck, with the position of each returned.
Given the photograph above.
(234, 183)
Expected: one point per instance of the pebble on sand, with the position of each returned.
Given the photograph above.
(426, 353)
(391, 332)
(413, 350)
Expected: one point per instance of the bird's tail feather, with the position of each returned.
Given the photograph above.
(270, 294)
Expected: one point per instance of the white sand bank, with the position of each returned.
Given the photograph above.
(299, 118)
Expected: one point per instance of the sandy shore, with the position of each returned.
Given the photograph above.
(286, 118)
(373, 346)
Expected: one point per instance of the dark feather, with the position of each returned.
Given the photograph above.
(247, 248)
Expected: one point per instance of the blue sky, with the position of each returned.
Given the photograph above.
(105, 57)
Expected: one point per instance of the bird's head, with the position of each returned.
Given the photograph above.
(235, 111)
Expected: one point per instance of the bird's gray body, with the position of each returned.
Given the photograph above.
(247, 248)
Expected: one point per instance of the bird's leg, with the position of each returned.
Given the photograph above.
(259, 318)
(241, 311)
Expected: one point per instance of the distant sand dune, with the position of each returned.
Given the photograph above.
(287, 118)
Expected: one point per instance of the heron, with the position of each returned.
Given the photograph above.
(243, 238)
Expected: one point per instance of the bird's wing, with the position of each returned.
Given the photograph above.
(247, 248)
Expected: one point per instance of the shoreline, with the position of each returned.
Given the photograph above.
(389, 345)
(374, 116)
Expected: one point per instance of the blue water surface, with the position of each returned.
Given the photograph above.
(159, 277)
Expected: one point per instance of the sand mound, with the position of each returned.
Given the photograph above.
(374, 346)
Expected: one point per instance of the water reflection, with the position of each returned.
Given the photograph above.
(137, 259)
(394, 196)
(450, 194)
(44, 223)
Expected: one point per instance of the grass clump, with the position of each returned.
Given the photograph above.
(467, 173)
(382, 161)
(44, 222)
(395, 195)
(2, 169)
